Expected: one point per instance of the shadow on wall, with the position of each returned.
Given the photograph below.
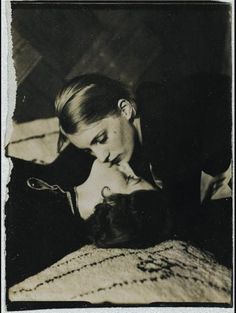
(131, 42)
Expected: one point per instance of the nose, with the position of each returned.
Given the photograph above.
(101, 154)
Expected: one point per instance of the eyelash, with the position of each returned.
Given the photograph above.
(99, 141)
(102, 140)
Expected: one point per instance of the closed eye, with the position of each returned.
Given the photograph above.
(101, 139)
(126, 177)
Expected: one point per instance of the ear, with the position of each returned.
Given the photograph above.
(126, 108)
(62, 139)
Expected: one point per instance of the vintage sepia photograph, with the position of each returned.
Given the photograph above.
(120, 155)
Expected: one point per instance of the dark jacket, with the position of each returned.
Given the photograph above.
(186, 129)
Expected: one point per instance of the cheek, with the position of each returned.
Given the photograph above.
(131, 189)
(118, 186)
(140, 186)
(125, 134)
(86, 205)
(116, 140)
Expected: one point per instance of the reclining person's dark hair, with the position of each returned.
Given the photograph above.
(144, 218)
(136, 220)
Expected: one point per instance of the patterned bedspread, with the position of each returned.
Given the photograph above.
(172, 271)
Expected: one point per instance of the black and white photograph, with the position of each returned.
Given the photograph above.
(119, 140)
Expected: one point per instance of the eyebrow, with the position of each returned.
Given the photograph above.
(93, 141)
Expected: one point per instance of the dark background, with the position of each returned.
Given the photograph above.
(160, 42)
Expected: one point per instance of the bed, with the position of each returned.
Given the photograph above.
(173, 271)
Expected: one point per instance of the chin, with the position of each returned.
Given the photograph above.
(126, 155)
(129, 156)
(126, 159)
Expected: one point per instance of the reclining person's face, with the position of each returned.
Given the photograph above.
(104, 177)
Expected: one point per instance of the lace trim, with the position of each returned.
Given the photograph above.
(40, 185)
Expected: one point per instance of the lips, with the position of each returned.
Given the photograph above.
(116, 160)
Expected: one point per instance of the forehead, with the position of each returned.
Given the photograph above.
(86, 133)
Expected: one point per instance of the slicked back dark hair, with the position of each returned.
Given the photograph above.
(88, 99)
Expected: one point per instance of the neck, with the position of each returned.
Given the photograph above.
(80, 192)
(137, 126)
(140, 161)
(137, 155)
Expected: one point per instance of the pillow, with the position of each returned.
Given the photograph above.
(35, 141)
(172, 271)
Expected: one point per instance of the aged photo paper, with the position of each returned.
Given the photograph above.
(117, 156)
